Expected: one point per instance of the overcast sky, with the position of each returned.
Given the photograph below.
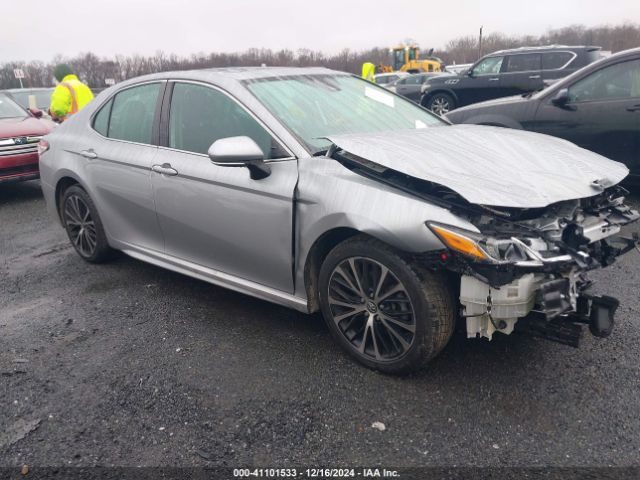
(40, 29)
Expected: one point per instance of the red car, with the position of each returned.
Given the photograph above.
(20, 132)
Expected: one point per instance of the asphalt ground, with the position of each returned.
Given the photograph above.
(128, 364)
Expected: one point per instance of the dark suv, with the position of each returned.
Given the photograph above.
(505, 73)
(597, 108)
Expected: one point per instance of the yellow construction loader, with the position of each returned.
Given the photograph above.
(406, 58)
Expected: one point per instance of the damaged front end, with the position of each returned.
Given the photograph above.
(527, 270)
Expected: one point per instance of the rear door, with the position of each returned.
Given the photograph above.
(410, 87)
(521, 73)
(217, 216)
(117, 155)
(602, 113)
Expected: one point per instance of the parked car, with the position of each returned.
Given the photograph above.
(505, 73)
(20, 132)
(597, 108)
(41, 97)
(318, 190)
(389, 79)
(411, 85)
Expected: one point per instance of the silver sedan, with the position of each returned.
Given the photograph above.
(318, 190)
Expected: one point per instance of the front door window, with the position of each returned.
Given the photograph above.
(488, 66)
(618, 81)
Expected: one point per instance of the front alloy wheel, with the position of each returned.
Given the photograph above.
(382, 308)
(372, 309)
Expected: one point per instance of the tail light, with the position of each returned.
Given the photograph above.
(43, 146)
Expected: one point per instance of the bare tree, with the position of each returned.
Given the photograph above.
(95, 70)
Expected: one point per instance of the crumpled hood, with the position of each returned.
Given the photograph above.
(490, 165)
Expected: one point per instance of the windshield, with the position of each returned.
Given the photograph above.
(315, 106)
(9, 108)
(42, 98)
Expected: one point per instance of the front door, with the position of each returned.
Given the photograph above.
(602, 113)
(217, 216)
(482, 83)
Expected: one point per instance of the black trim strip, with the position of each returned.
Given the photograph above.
(163, 128)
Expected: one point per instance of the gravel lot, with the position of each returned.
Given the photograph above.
(128, 364)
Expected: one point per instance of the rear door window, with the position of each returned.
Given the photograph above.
(132, 114)
(101, 120)
(413, 80)
(524, 62)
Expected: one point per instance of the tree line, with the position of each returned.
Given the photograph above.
(466, 49)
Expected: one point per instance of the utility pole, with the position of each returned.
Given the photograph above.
(480, 43)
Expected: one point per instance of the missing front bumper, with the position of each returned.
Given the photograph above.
(553, 308)
(598, 312)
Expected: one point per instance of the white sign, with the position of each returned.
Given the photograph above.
(18, 73)
(379, 96)
(109, 81)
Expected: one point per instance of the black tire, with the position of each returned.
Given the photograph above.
(83, 225)
(423, 302)
(440, 103)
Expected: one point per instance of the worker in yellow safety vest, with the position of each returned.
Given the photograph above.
(368, 71)
(69, 96)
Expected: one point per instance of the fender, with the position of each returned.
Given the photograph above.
(427, 95)
(363, 205)
(51, 192)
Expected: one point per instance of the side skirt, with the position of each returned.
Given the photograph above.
(215, 277)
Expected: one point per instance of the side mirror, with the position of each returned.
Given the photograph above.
(36, 112)
(240, 152)
(561, 98)
(469, 73)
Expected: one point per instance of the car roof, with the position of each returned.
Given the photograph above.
(238, 74)
(545, 48)
(231, 79)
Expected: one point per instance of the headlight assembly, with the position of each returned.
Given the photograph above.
(478, 247)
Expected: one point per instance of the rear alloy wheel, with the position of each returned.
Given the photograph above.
(387, 314)
(82, 223)
(441, 103)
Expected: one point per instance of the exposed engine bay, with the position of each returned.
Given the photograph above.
(527, 268)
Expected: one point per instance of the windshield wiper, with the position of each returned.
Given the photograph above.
(326, 152)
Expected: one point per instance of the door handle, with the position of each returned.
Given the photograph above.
(635, 108)
(165, 169)
(533, 77)
(89, 154)
(494, 79)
